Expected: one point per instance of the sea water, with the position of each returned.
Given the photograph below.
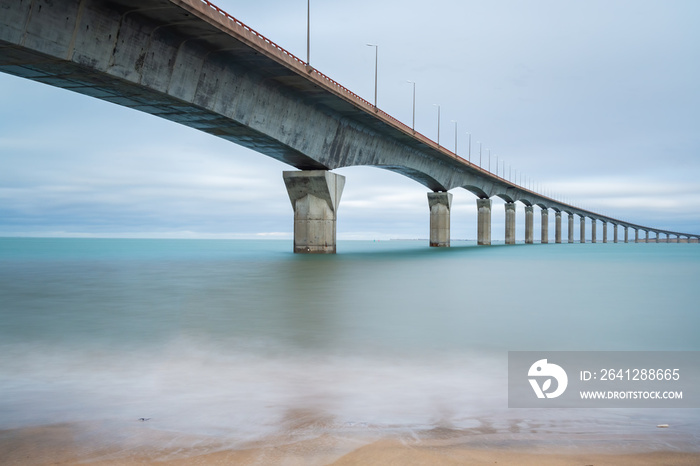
(240, 340)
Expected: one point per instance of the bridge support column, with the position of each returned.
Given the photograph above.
(656, 240)
(545, 226)
(594, 223)
(557, 227)
(483, 224)
(627, 235)
(615, 233)
(510, 222)
(315, 196)
(571, 228)
(529, 224)
(636, 235)
(646, 240)
(605, 232)
(440, 204)
(583, 230)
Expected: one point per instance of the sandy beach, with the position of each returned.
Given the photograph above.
(92, 443)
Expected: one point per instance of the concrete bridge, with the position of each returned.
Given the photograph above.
(190, 62)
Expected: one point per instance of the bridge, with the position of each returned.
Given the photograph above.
(190, 62)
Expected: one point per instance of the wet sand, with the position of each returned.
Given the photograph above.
(93, 444)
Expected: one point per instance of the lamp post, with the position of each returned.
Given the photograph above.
(308, 32)
(414, 105)
(470, 147)
(376, 60)
(480, 166)
(438, 136)
(455, 122)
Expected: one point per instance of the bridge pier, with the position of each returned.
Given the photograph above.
(583, 230)
(656, 240)
(636, 235)
(510, 222)
(315, 196)
(483, 224)
(571, 228)
(557, 227)
(440, 204)
(594, 222)
(529, 227)
(646, 240)
(615, 233)
(605, 232)
(545, 226)
(627, 235)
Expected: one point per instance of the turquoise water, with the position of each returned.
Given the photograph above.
(227, 338)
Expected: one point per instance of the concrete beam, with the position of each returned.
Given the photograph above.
(544, 230)
(557, 227)
(571, 228)
(510, 222)
(605, 232)
(483, 233)
(583, 230)
(529, 227)
(440, 204)
(315, 196)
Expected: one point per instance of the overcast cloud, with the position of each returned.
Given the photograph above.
(596, 101)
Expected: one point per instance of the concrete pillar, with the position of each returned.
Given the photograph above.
(545, 226)
(615, 233)
(627, 235)
(510, 222)
(636, 235)
(571, 228)
(583, 230)
(483, 223)
(557, 227)
(440, 204)
(529, 226)
(594, 222)
(646, 240)
(315, 196)
(605, 232)
(656, 240)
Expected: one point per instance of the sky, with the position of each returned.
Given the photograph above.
(597, 102)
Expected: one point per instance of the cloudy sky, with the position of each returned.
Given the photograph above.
(596, 101)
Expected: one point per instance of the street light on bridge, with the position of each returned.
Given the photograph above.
(455, 122)
(414, 105)
(470, 147)
(438, 136)
(376, 60)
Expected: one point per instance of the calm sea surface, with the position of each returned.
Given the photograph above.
(241, 339)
